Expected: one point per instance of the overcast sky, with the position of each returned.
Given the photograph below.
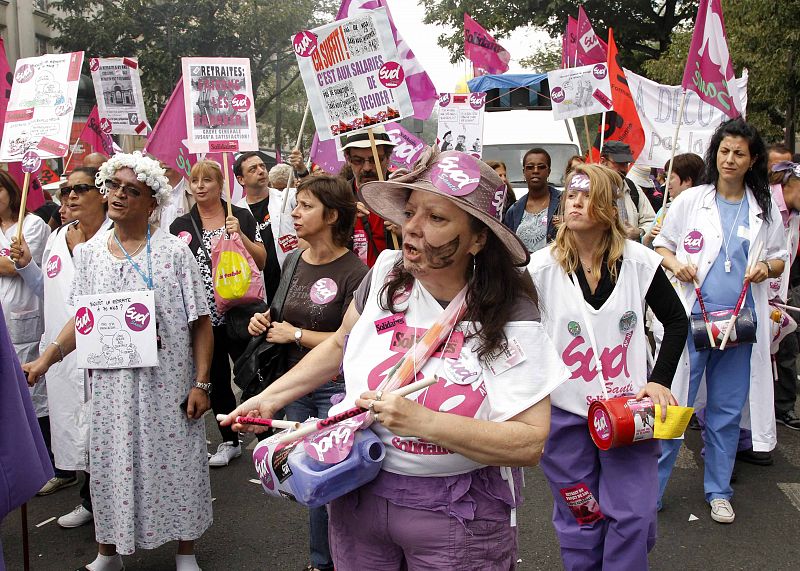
(422, 38)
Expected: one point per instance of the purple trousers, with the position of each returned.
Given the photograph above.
(367, 531)
(604, 502)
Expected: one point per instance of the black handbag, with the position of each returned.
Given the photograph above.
(263, 362)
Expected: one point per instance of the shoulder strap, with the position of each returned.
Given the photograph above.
(200, 237)
(634, 192)
(289, 266)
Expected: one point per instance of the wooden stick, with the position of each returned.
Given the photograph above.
(672, 156)
(379, 169)
(752, 260)
(69, 158)
(227, 182)
(302, 126)
(26, 183)
(602, 131)
(588, 140)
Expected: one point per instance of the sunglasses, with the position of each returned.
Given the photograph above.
(359, 162)
(114, 185)
(65, 191)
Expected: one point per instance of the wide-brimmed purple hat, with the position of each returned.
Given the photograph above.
(470, 183)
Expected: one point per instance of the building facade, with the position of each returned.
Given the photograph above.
(23, 28)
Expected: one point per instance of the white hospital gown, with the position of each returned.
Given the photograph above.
(149, 465)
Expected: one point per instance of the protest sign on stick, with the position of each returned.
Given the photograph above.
(460, 125)
(352, 74)
(118, 90)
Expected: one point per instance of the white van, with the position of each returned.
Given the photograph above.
(517, 119)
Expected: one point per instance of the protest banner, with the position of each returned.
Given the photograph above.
(118, 90)
(577, 91)
(658, 107)
(41, 106)
(487, 56)
(352, 74)
(116, 330)
(219, 105)
(460, 125)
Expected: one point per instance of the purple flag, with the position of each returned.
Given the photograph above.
(482, 49)
(569, 44)
(591, 49)
(97, 134)
(6, 78)
(709, 71)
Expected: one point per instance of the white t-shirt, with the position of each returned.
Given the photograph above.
(466, 387)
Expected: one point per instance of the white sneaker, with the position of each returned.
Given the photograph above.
(76, 518)
(225, 453)
(722, 511)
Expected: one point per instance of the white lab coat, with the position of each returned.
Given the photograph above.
(696, 210)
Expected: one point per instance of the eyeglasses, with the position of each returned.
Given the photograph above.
(359, 161)
(537, 167)
(128, 190)
(65, 191)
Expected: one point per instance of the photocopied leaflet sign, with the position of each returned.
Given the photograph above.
(219, 105)
(116, 330)
(352, 74)
(577, 91)
(41, 106)
(118, 90)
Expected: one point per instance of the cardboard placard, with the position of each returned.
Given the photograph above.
(41, 106)
(578, 91)
(118, 90)
(219, 105)
(352, 74)
(461, 122)
(116, 330)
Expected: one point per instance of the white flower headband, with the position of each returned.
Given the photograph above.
(147, 171)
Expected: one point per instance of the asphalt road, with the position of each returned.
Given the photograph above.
(253, 531)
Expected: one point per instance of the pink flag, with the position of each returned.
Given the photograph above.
(569, 44)
(709, 71)
(6, 78)
(590, 48)
(96, 137)
(482, 49)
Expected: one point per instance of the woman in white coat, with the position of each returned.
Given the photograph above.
(708, 236)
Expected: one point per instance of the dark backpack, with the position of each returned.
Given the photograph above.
(634, 193)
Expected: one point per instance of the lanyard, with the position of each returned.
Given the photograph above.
(728, 264)
(148, 279)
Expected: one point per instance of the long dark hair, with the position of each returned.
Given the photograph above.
(756, 177)
(14, 193)
(493, 289)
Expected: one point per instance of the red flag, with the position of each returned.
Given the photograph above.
(96, 137)
(569, 44)
(482, 49)
(709, 71)
(6, 78)
(590, 48)
(622, 124)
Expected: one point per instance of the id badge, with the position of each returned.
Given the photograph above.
(116, 330)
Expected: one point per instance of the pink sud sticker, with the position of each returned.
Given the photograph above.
(323, 291)
(457, 174)
(31, 162)
(261, 460)
(53, 267)
(84, 321)
(105, 125)
(693, 242)
(240, 103)
(333, 444)
(601, 424)
(391, 74)
(24, 73)
(557, 95)
(94, 64)
(476, 100)
(137, 317)
(444, 99)
(305, 43)
(185, 236)
(599, 71)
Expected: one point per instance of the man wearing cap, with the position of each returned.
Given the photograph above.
(532, 216)
(639, 214)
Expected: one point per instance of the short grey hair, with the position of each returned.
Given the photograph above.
(279, 175)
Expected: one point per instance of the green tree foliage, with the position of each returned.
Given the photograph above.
(764, 38)
(159, 33)
(642, 28)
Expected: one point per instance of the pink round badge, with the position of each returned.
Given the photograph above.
(53, 267)
(557, 95)
(602, 428)
(693, 242)
(261, 460)
(600, 71)
(444, 99)
(305, 43)
(94, 64)
(137, 317)
(456, 174)
(185, 236)
(240, 103)
(24, 73)
(31, 162)
(105, 125)
(323, 291)
(84, 321)
(476, 100)
(391, 74)
(4, 252)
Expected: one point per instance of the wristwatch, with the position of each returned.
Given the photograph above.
(298, 335)
(203, 386)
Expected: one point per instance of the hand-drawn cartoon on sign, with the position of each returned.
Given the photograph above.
(580, 91)
(352, 74)
(461, 122)
(116, 330)
(42, 103)
(119, 95)
(219, 105)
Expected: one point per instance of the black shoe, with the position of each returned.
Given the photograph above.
(789, 420)
(757, 458)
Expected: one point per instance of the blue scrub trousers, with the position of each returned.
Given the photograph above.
(727, 386)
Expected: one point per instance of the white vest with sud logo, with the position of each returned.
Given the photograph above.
(380, 339)
(618, 328)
